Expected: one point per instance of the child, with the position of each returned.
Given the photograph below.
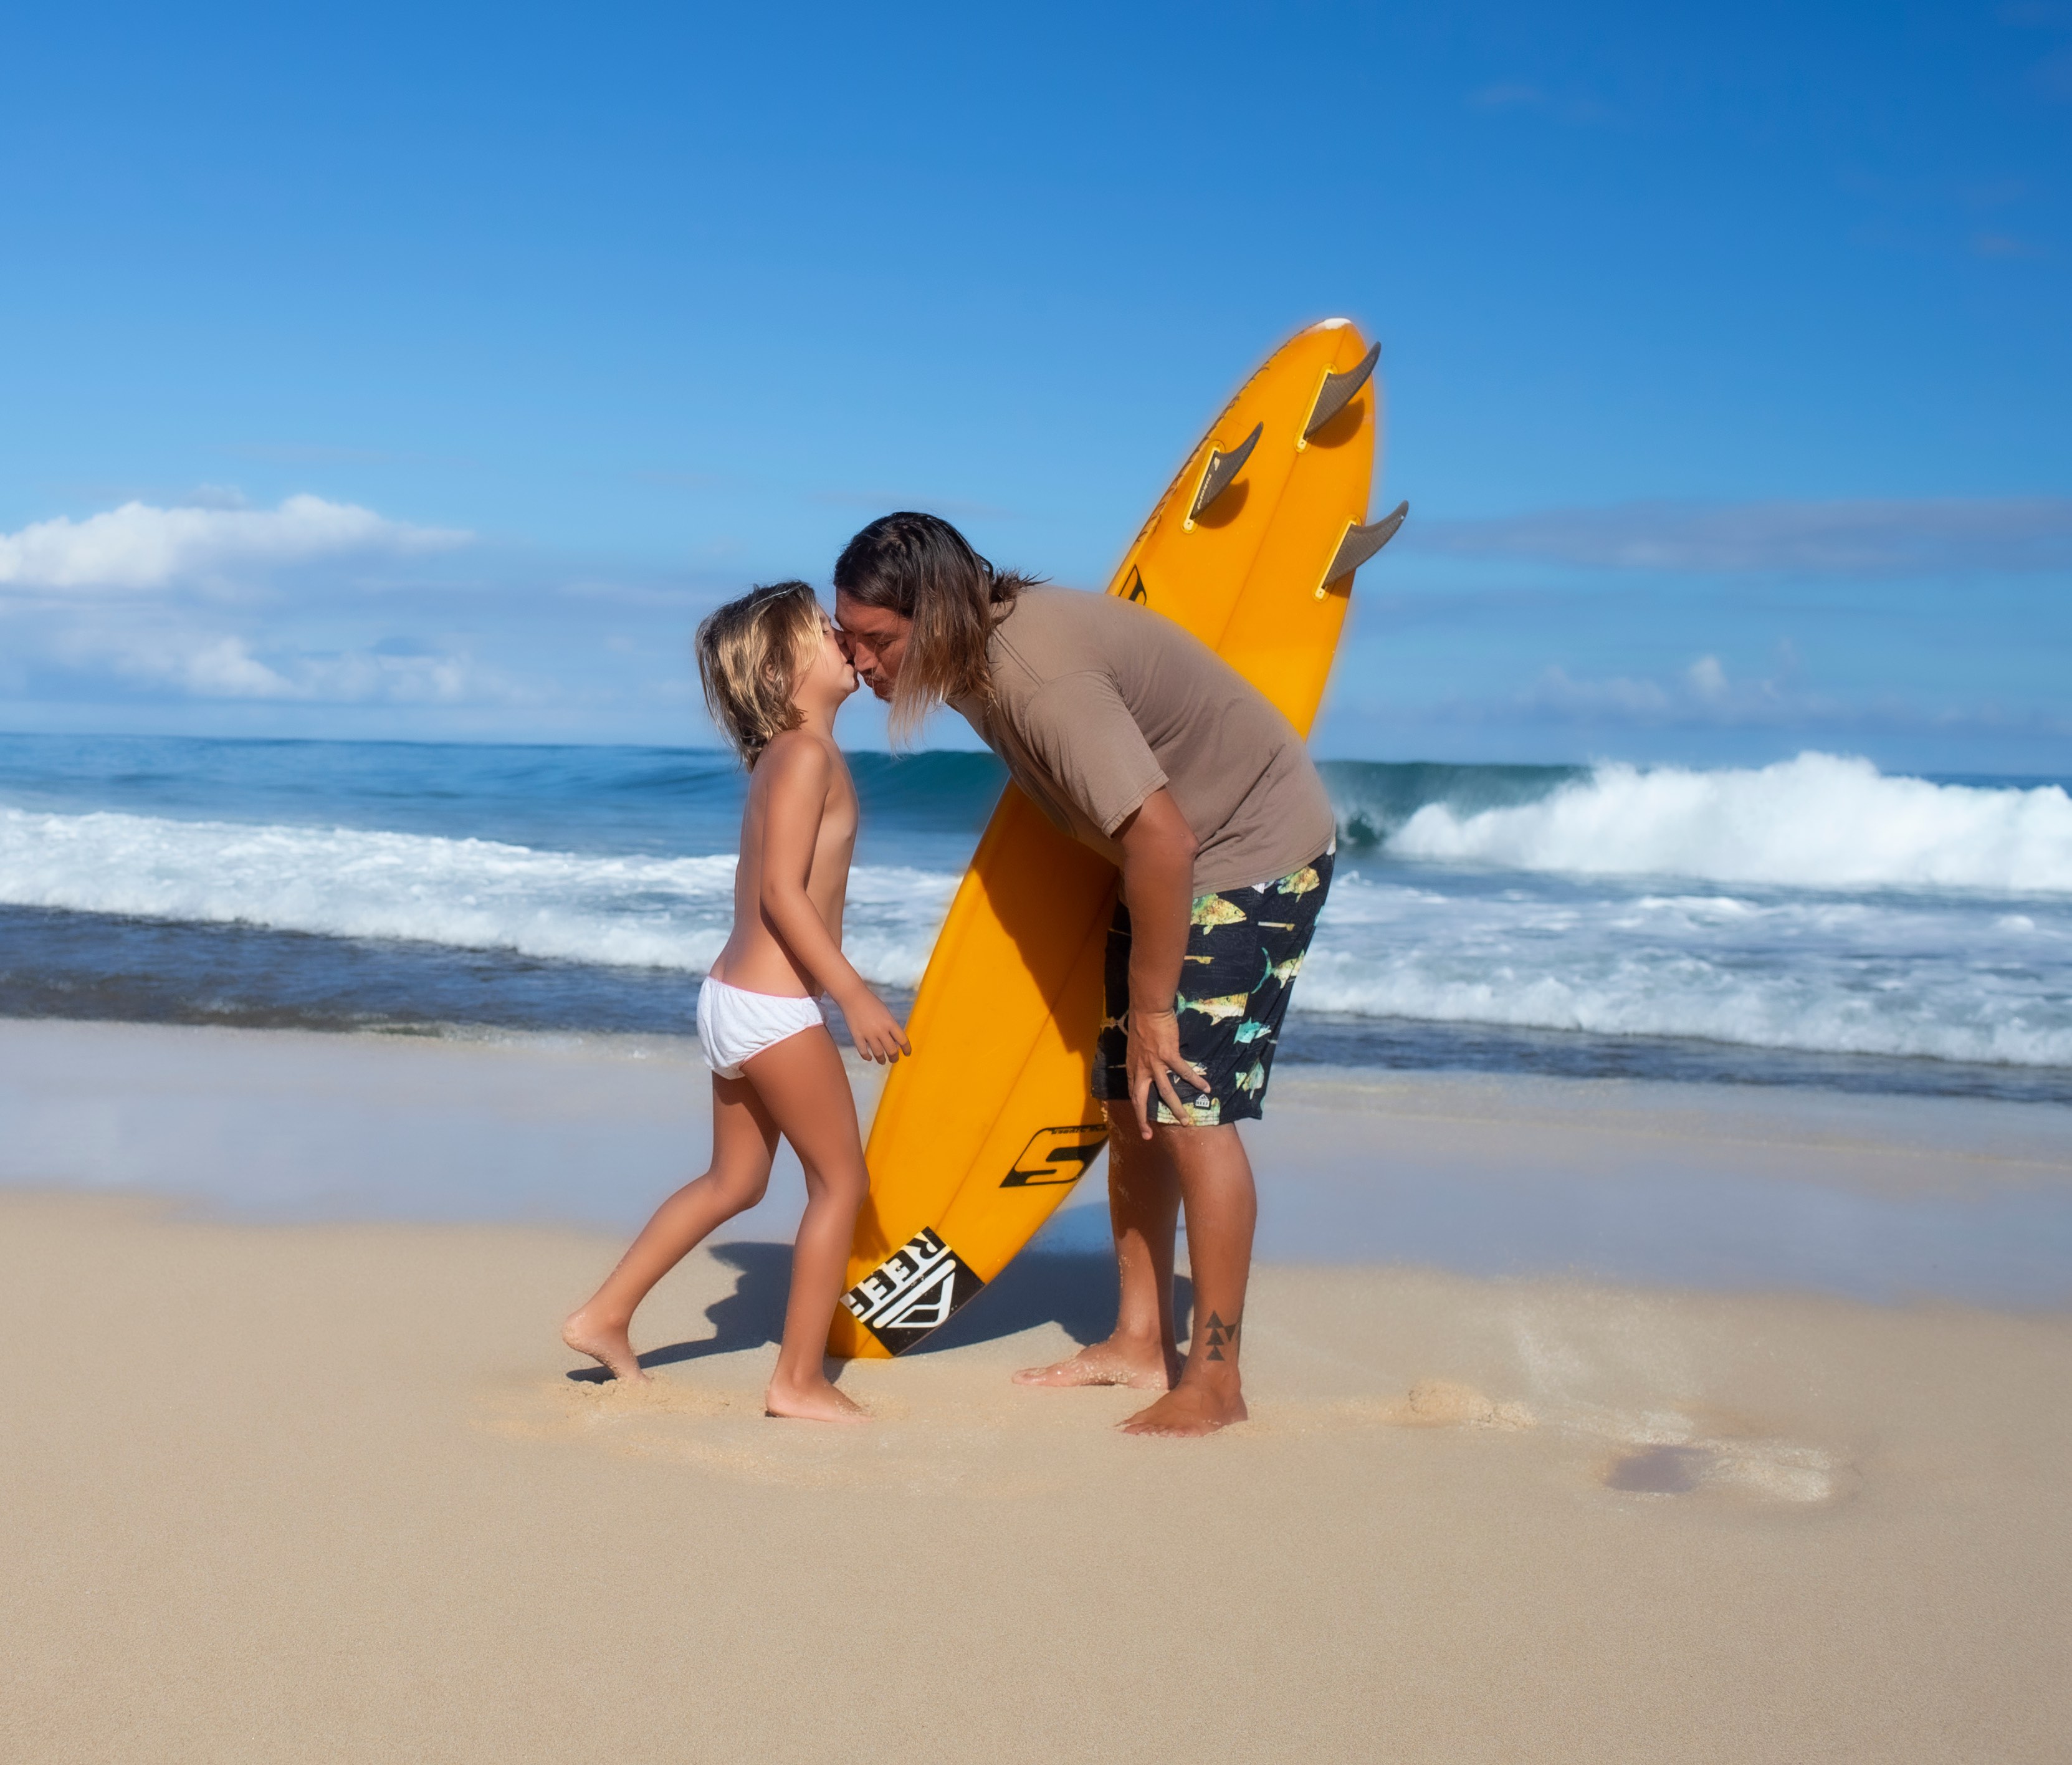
(774, 675)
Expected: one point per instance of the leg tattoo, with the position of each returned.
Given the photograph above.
(1222, 1335)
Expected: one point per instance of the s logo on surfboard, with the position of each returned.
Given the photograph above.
(914, 1291)
(1056, 1155)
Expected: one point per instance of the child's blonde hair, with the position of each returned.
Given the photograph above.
(751, 654)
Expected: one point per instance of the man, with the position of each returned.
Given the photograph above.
(1137, 739)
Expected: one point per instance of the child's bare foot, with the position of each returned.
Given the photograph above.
(817, 1400)
(1110, 1362)
(1189, 1410)
(605, 1343)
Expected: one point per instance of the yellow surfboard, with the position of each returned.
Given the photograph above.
(987, 1126)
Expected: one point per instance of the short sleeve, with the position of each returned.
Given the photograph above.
(1078, 728)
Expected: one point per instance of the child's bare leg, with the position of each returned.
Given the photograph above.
(1143, 1210)
(803, 1085)
(744, 1142)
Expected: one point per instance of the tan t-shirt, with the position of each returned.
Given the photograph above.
(1098, 702)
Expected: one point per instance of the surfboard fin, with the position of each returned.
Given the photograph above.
(1338, 391)
(1361, 543)
(1224, 468)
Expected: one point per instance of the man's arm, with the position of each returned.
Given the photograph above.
(1158, 887)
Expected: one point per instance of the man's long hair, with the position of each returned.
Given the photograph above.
(923, 569)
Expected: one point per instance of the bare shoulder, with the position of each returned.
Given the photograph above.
(796, 765)
(794, 754)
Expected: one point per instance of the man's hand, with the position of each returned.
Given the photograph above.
(873, 1028)
(1154, 1057)
(1157, 884)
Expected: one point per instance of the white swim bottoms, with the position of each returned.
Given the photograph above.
(735, 1024)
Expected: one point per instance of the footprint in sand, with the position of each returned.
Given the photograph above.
(1660, 1453)
(1771, 1471)
(715, 1430)
(1440, 1402)
(1430, 1403)
(1659, 1470)
(556, 1409)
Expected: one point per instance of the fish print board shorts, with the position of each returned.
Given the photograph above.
(1245, 948)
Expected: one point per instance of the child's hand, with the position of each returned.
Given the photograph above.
(873, 1028)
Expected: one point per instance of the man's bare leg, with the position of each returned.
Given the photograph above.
(803, 1084)
(744, 1142)
(1143, 1210)
(1222, 1208)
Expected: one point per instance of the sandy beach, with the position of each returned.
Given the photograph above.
(296, 1468)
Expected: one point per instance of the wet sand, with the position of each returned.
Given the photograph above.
(1723, 1187)
(283, 1488)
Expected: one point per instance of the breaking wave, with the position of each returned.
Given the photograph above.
(629, 912)
(1818, 821)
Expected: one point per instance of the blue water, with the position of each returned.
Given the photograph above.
(649, 800)
(1809, 923)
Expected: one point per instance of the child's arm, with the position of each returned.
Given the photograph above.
(799, 772)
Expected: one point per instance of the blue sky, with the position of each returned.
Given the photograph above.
(426, 372)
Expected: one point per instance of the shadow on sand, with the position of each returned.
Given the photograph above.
(1073, 1289)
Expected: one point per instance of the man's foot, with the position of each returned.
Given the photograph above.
(1187, 1411)
(1109, 1363)
(816, 1402)
(605, 1343)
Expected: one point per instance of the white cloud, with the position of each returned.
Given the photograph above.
(204, 664)
(227, 669)
(1700, 693)
(1558, 693)
(1708, 679)
(141, 547)
(363, 676)
(1869, 536)
(207, 664)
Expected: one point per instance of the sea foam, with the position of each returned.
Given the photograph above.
(1819, 821)
(628, 911)
(1945, 979)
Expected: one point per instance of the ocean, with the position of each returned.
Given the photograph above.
(1812, 922)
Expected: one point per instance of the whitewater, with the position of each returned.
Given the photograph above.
(482, 895)
(1818, 821)
(1815, 905)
